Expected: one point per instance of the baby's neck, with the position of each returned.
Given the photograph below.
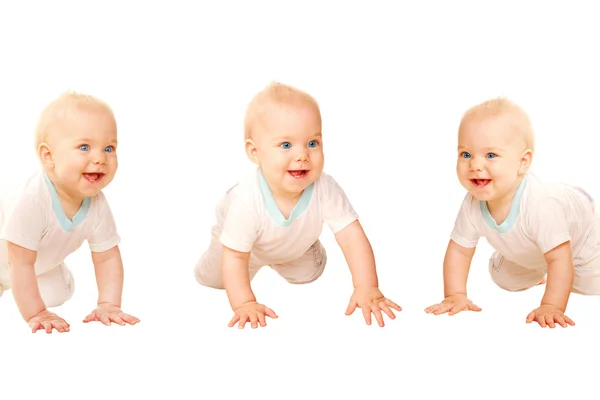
(286, 201)
(500, 208)
(69, 203)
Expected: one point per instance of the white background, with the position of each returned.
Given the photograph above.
(393, 80)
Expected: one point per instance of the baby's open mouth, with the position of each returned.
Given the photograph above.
(480, 182)
(299, 174)
(93, 177)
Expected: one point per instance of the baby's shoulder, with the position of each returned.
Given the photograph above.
(31, 192)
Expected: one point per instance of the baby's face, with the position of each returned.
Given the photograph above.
(84, 152)
(289, 148)
(490, 158)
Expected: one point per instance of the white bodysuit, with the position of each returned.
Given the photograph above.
(543, 215)
(32, 217)
(248, 220)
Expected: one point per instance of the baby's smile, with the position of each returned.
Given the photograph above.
(480, 182)
(93, 177)
(299, 174)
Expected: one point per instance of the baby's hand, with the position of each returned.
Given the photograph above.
(547, 315)
(47, 320)
(371, 300)
(107, 313)
(452, 305)
(251, 312)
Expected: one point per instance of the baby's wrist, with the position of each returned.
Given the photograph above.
(238, 304)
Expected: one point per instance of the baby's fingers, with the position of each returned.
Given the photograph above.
(35, 326)
(47, 326)
(243, 320)
(270, 313)
(473, 307)
(90, 317)
(351, 307)
(456, 308)
(130, 319)
(435, 309)
(569, 320)
(443, 308)
(262, 320)
(395, 306)
(530, 317)
(377, 312)
(366, 314)
(432, 308)
(254, 320)
(561, 321)
(384, 307)
(235, 319)
(116, 319)
(105, 320)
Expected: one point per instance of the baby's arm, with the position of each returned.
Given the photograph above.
(360, 258)
(108, 267)
(236, 279)
(561, 273)
(358, 254)
(25, 290)
(457, 263)
(549, 227)
(558, 288)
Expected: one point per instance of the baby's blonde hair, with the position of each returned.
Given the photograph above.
(275, 93)
(59, 109)
(503, 107)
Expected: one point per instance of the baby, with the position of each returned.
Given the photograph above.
(542, 232)
(58, 208)
(275, 215)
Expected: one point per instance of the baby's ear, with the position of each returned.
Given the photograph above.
(526, 159)
(251, 151)
(45, 155)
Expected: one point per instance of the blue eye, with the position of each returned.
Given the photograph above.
(312, 143)
(490, 155)
(466, 155)
(84, 147)
(286, 145)
(109, 149)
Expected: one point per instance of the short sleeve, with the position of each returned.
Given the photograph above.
(336, 208)
(25, 223)
(548, 224)
(240, 225)
(465, 232)
(104, 235)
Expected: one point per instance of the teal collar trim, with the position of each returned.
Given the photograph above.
(512, 213)
(64, 221)
(272, 208)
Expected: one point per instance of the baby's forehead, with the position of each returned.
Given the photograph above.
(492, 132)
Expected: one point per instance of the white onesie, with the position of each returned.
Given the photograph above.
(32, 217)
(248, 220)
(543, 215)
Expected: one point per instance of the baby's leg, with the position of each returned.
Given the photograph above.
(4, 281)
(305, 269)
(513, 277)
(208, 269)
(56, 286)
(587, 280)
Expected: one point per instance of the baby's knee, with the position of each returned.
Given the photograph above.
(586, 281)
(208, 272)
(512, 277)
(307, 268)
(56, 287)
